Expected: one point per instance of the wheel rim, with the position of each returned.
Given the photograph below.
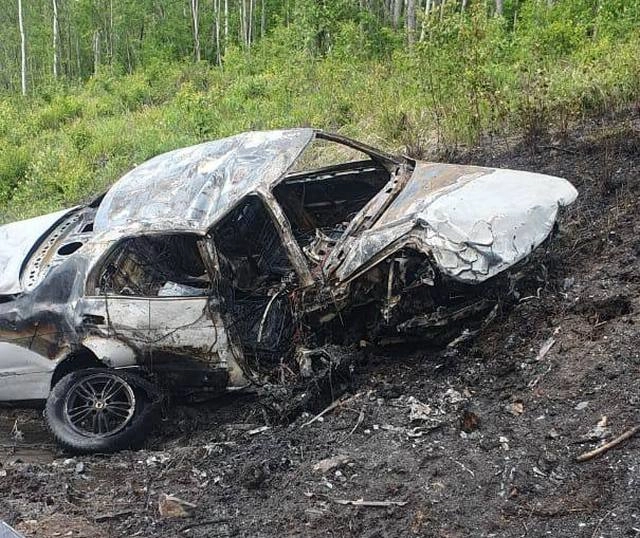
(100, 405)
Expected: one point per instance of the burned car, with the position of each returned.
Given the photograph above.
(207, 268)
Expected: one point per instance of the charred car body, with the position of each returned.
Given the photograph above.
(204, 267)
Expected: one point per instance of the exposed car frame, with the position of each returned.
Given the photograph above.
(89, 288)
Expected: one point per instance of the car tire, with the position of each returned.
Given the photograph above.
(100, 410)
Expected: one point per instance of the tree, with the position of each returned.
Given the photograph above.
(96, 51)
(23, 50)
(397, 12)
(216, 31)
(411, 21)
(427, 11)
(226, 22)
(56, 40)
(196, 34)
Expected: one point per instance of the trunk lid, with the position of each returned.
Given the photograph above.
(474, 221)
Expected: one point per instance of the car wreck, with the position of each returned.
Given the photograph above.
(207, 268)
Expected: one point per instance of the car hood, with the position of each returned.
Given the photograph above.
(16, 242)
(475, 222)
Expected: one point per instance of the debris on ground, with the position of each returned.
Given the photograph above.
(170, 506)
(608, 446)
(330, 464)
(501, 460)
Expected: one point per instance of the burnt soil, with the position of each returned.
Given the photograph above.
(493, 452)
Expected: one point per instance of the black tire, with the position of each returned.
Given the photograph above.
(71, 415)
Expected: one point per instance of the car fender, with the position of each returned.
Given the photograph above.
(111, 352)
(25, 375)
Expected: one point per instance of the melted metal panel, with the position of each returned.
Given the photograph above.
(16, 241)
(192, 188)
(476, 222)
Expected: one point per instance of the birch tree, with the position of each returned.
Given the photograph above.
(250, 23)
(195, 23)
(56, 40)
(226, 22)
(397, 12)
(96, 52)
(427, 11)
(244, 22)
(23, 50)
(216, 31)
(411, 21)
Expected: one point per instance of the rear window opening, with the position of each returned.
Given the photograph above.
(328, 186)
(155, 266)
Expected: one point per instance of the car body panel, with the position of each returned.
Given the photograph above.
(25, 374)
(204, 181)
(17, 239)
(474, 221)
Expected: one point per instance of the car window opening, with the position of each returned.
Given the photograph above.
(155, 266)
(255, 266)
(321, 201)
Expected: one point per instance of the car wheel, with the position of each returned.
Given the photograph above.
(99, 410)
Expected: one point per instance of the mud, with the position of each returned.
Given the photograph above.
(479, 440)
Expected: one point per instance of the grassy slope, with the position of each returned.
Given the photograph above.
(472, 76)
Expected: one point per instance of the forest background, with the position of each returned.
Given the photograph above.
(89, 88)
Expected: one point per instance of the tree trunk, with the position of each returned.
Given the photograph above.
(78, 62)
(23, 50)
(69, 48)
(216, 31)
(250, 23)
(241, 33)
(498, 8)
(56, 40)
(411, 21)
(397, 12)
(196, 34)
(226, 23)
(96, 51)
(263, 19)
(111, 36)
(427, 10)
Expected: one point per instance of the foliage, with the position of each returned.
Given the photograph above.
(325, 64)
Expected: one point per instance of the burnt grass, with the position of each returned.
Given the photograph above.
(494, 455)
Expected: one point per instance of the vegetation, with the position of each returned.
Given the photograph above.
(128, 85)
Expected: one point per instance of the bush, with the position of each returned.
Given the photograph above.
(536, 69)
(62, 109)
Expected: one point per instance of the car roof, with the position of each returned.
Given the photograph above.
(190, 189)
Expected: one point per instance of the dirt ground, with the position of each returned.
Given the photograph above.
(479, 440)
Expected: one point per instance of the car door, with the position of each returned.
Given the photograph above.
(154, 293)
(260, 270)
